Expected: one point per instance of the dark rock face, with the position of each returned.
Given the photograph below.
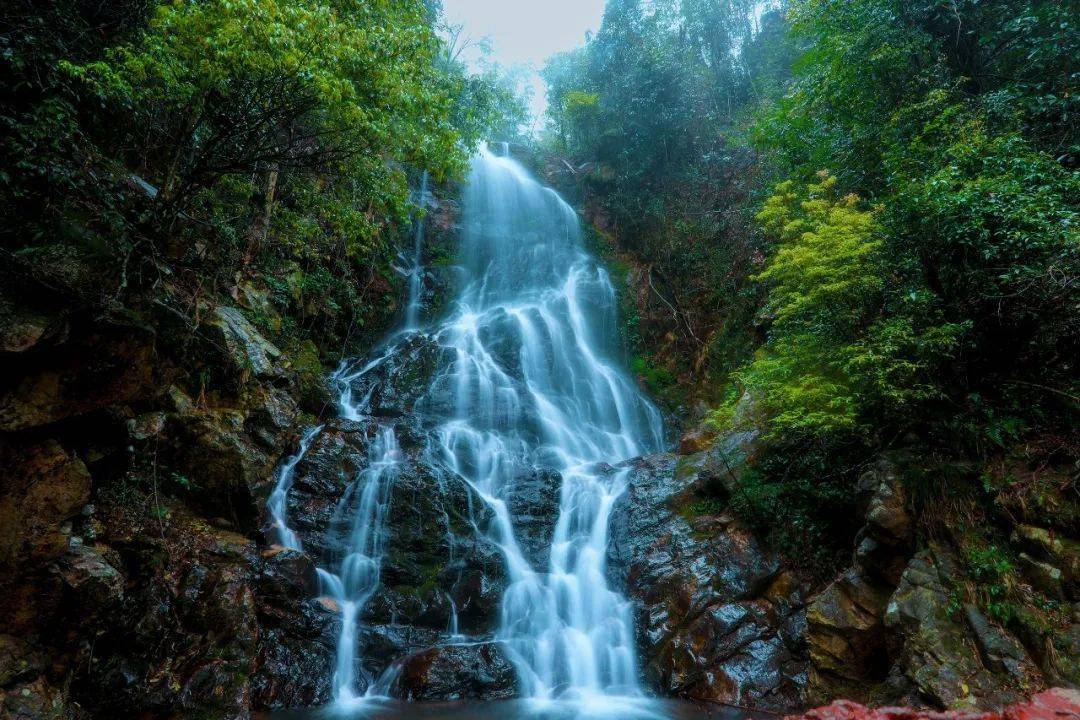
(434, 561)
(717, 618)
(42, 488)
(949, 656)
(395, 385)
(900, 624)
(103, 368)
(297, 635)
(456, 672)
(132, 506)
(846, 631)
(533, 503)
(847, 635)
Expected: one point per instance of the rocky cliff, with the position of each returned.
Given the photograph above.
(140, 573)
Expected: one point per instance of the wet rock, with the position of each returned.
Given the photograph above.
(999, 651)
(247, 350)
(456, 672)
(394, 385)
(146, 426)
(846, 635)
(297, 637)
(312, 382)
(436, 563)
(715, 617)
(271, 411)
(333, 461)
(697, 440)
(41, 488)
(533, 502)
(887, 518)
(186, 637)
(382, 643)
(91, 578)
(937, 651)
(20, 660)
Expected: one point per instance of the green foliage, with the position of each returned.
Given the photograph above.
(992, 570)
(241, 85)
(923, 288)
(656, 377)
(232, 143)
(649, 113)
(927, 112)
(823, 277)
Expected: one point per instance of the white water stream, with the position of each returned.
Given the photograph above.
(531, 385)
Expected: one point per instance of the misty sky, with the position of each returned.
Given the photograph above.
(527, 31)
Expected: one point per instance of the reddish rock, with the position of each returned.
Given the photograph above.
(697, 440)
(1056, 704)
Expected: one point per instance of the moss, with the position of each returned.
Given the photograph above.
(311, 375)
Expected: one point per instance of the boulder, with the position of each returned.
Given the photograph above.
(716, 619)
(1056, 551)
(23, 328)
(91, 578)
(223, 461)
(937, 650)
(846, 635)
(186, 636)
(846, 632)
(478, 671)
(42, 487)
(247, 350)
(109, 366)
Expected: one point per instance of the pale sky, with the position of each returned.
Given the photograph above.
(527, 31)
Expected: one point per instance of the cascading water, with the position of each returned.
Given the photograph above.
(416, 265)
(532, 387)
(526, 386)
(361, 513)
(277, 505)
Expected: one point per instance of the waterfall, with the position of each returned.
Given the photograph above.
(277, 505)
(527, 385)
(533, 386)
(416, 269)
(362, 510)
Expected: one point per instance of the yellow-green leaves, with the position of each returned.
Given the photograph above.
(823, 271)
(822, 277)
